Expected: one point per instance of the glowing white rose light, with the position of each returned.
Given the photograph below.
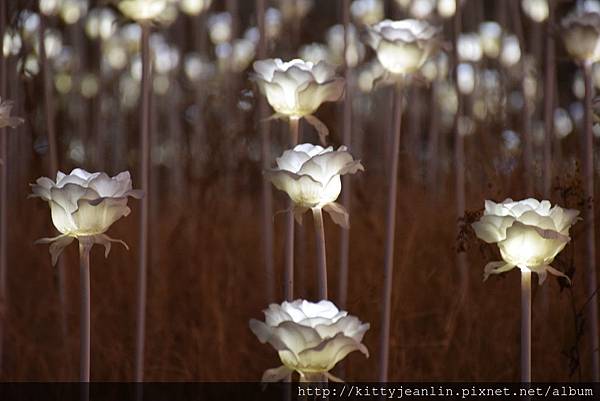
(402, 47)
(311, 176)
(297, 88)
(529, 234)
(84, 205)
(311, 338)
(581, 35)
(142, 11)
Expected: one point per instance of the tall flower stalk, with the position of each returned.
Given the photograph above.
(145, 181)
(265, 149)
(144, 12)
(288, 274)
(83, 207)
(529, 235)
(6, 120)
(581, 35)
(402, 47)
(590, 226)
(549, 83)
(390, 235)
(347, 139)
(53, 156)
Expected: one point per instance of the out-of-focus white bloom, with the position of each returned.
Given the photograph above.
(169, 15)
(89, 86)
(31, 24)
(466, 78)
(84, 206)
(130, 35)
(529, 234)
(469, 47)
(578, 86)
(166, 57)
(355, 51)
(194, 7)
(100, 23)
(52, 43)
(49, 7)
(244, 51)
(311, 338)
(446, 8)
(537, 10)
(315, 52)
(490, 33)
(273, 23)
(311, 176)
(142, 11)
(12, 42)
(369, 75)
(367, 12)
(219, 28)
(421, 9)
(198, 67)
(297, 88)
(436, 67)
(6, 120)
(402, 47)
(581, 35)
(72, 10)
(511, 51)
(115, 53)
(511, 140)
(563, 125)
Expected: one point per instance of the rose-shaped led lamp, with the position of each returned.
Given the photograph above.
(402, 47)
(311, 338)
(295, 89)
(83, 206)
(529, 234)
(311, 176)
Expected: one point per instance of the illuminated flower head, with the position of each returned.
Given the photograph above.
(311, 176)
(581, 35)
(402, 47)
(529, 234)
(297, 88)
(84, 206)
(311, 338)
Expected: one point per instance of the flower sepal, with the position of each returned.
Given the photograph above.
(59, 243)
